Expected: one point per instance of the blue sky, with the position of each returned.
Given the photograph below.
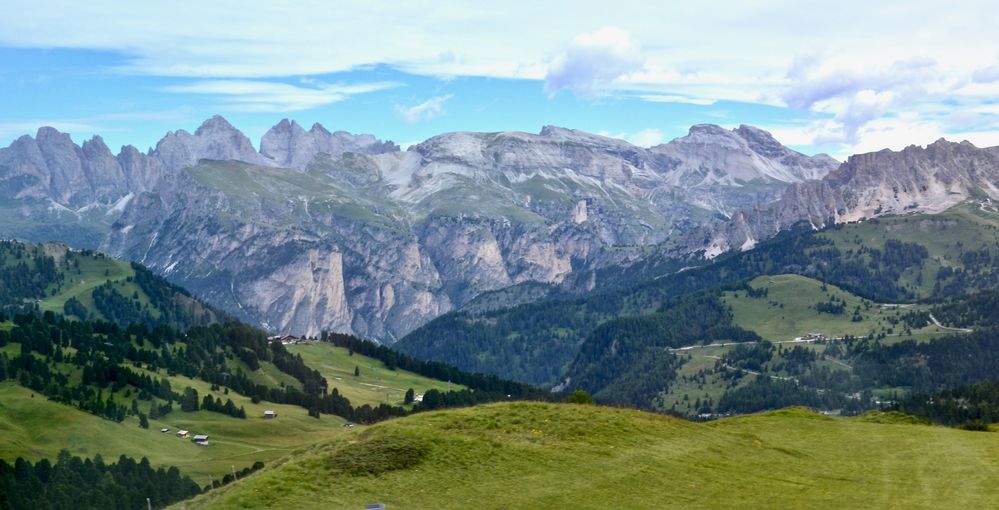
(841, 78)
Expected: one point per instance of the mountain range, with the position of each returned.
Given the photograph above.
(334, 231)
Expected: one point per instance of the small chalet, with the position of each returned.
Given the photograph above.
(183, 433)
(200, 439)
(164, 430)
(270, 414)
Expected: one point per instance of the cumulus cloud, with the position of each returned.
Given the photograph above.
(988, 74)
(267, 96)
(427, 110)
(594, 60)
(854, 95)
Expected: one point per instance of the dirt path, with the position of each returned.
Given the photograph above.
(941, 326)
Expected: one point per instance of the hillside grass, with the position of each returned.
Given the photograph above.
(375, 384)
(967, 226)
(526, 455)
(789, 311)
(35, 427)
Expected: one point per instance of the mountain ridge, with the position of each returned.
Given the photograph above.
(450, 218)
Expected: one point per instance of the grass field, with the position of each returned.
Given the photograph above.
(945, 235)
(375, 385)
(35, 428)
(789, 311)
(524, 455)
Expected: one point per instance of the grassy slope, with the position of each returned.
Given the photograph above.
(36, 428)
(563, 456)
(788, 311)
(797, 317)
(375, 381)
(963, 227)
(94, 272)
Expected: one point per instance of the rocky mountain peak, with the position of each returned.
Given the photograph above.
(318, 128)
(288, 145)
(216, 124)
(711, 155)
(916, 179)
(216, 138)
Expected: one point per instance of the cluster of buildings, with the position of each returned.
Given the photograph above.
(198, 439)
(289, 340)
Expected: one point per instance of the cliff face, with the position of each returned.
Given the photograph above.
(343, 232)
(916, 179)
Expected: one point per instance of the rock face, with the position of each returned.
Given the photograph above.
(288, 145)
(916, 179)
(344, 232)
(215, 139)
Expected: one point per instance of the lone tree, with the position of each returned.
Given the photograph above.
(580, 397)
(143, 421)
(409, 396)
(357, 370)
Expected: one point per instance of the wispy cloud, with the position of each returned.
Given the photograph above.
(673, 98)
(777, 53)
(268, 96)
(643, 138)
(427, 110)
(29, 127)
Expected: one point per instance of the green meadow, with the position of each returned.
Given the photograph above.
(526, 455)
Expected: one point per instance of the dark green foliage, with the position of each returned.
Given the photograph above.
(580, 397)
(216, 405)
(25, 273)
(379, 454)
(765, 393)
(968, 404)
(410, 395)
(75, 308)
(78, 483)
(627, 360)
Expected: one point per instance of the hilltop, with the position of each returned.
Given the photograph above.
(87, 285)
(525, 455)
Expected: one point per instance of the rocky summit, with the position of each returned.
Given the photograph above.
(323, 230)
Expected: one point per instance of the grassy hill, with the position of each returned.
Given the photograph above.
(964, 239)
(34, 427)
(375, 385)
(525, 455)
(790, 309)
(89, 285)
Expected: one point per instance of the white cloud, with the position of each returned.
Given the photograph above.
(648, 137)
(673, 98)
(427, 110)
(18, 128)
(593, 61)
(266, 96)
(835, 62)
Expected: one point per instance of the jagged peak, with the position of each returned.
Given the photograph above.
(96, 144)
(214, 124)
(712, 129)
(551, 130)
(49, 132)
(754, 133)
(319, 128)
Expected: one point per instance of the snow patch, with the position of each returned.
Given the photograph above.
(120, 205)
